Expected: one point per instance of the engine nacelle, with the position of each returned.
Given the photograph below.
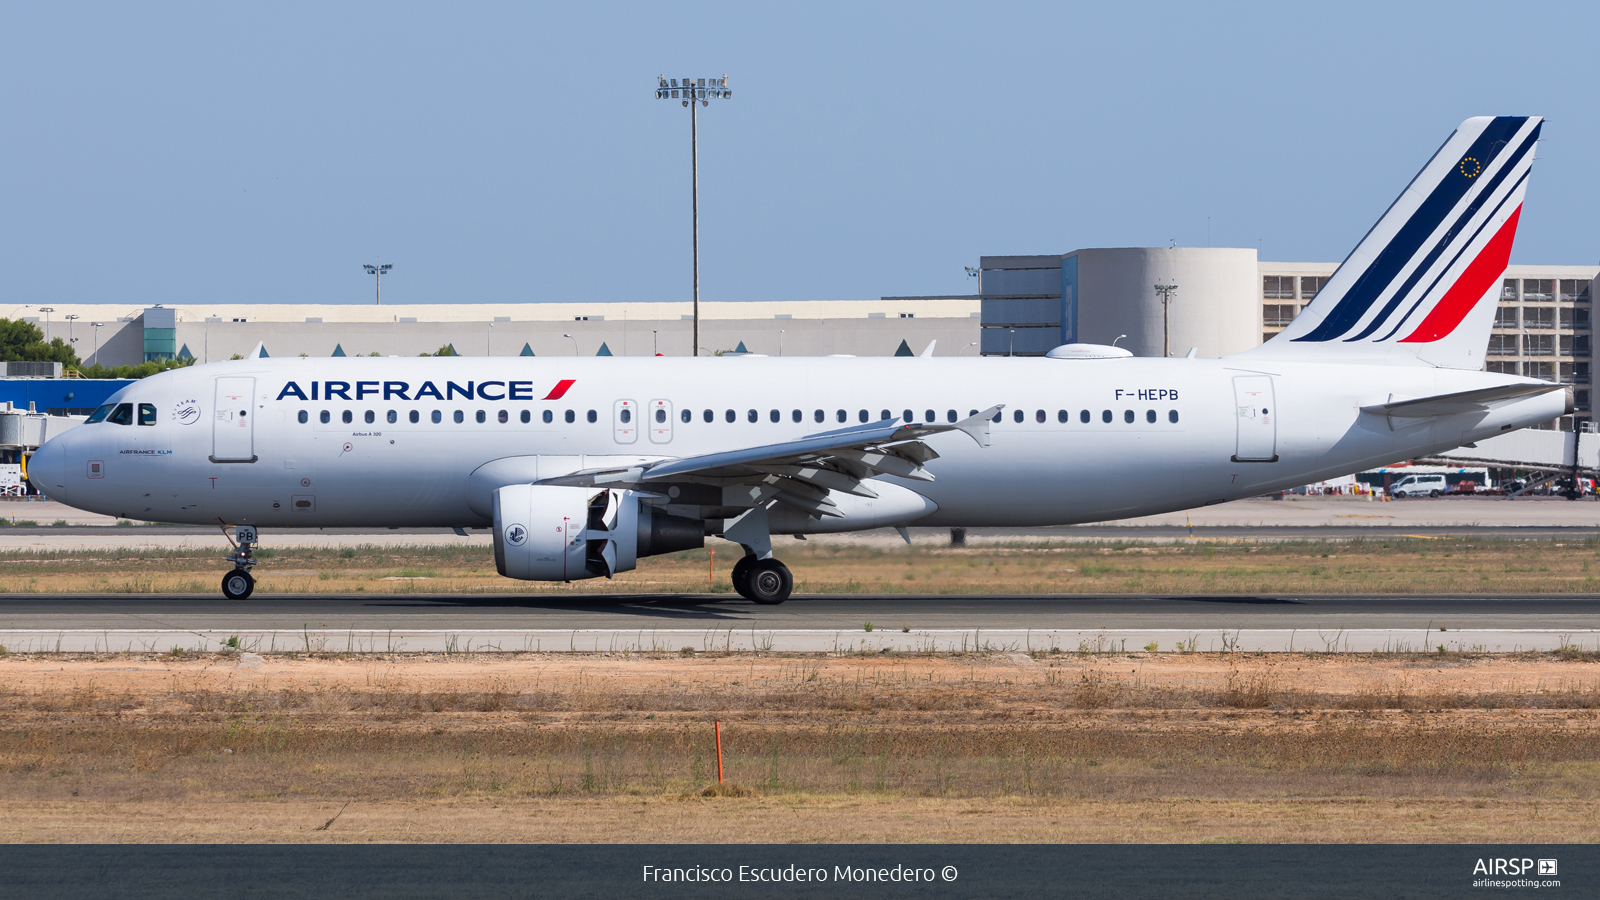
(555, 533)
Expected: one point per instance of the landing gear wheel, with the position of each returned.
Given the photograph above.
(769, 582)
(238, 584)
(741, 576)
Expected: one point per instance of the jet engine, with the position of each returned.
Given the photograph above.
(555, 533)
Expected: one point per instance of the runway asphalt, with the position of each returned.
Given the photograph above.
(375, 623)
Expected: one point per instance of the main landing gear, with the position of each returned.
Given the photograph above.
(238, 584)
(764, 581)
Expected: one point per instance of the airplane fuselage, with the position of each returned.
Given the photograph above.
(396, 442)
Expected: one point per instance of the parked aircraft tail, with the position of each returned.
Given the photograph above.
(1421, 287)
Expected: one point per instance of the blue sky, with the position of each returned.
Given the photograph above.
(261, 153)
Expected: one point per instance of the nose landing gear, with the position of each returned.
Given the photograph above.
(239, 583)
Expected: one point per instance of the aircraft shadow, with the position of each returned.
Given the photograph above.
(662, 606)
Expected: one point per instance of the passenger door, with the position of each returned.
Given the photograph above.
(660, 421)
(232, 424)
(1257, 436)
(625, 421)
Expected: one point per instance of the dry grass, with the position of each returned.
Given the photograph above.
(1392, 565)
(977, 748)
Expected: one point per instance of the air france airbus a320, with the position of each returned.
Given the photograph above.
(583, 466)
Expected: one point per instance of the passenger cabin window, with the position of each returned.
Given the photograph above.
(437, 417)
(324, 418)
(415, 417)
(796, 416)
(303, 417)
(549, 417)
(147, 414)
(100, 414)
(731, 416)
(862, 417)
(686, 416)
(1172, 416)
(480, 416)
(843, 417)
(1105, 416)
(504, 417)
(347, 417)
(459, 416)
(753, 416)
(1127, 416)
(709, 416)
(370, 417)
(930, 417)
(1150, 416)
(817, 416)
(593, 417)
(908, 416)
(392, 416)
(571, 417)
(1039, 417)
(1016, 416)
(122, 415)
(776, 417)
(526, 417)
(1061, 416)
(1084, 417)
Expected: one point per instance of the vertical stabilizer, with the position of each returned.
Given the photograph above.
(1420, 288)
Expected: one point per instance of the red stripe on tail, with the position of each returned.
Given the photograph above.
(560, 390)
(1476, 281)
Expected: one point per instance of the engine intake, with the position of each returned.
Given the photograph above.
(555, 533)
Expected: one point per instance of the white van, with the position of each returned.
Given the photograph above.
(1418, 485)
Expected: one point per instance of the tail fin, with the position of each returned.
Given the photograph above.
(1418, 289)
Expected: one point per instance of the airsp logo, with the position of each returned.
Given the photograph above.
(186, 412)
(516, 535)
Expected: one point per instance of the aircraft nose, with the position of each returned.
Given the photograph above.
(47, 469)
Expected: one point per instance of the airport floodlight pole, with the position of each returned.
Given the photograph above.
(975, 273)
(377, 272)
(694, 93)
(47, 310)
(574, 343)
(1166, 291)
(70, 339)
(96, 357)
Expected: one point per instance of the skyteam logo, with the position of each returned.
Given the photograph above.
(1440, 249)
(186, 412)
(516, 535)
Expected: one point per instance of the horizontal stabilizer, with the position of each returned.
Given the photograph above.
(1462, 402)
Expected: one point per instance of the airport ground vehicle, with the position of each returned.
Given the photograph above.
(1419, 485)
(584, 466)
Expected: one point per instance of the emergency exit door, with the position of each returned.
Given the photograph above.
(660, 421)
(233, 421)
(1256, 418)
(625, 421)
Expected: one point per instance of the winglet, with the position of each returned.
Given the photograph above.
(977, 427)
(929, 351)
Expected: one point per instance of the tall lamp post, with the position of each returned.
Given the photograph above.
(96, 327)
(694, 93)
(1166, 291)
(47, 310)
(71, 341)
(377, 272)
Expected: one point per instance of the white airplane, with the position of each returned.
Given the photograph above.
(583, 466)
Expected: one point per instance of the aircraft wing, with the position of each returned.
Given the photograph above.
(800, 472)
(1461, 402)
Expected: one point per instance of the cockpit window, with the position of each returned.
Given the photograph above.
(122, 415)
(147, 414)
(100, 414)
